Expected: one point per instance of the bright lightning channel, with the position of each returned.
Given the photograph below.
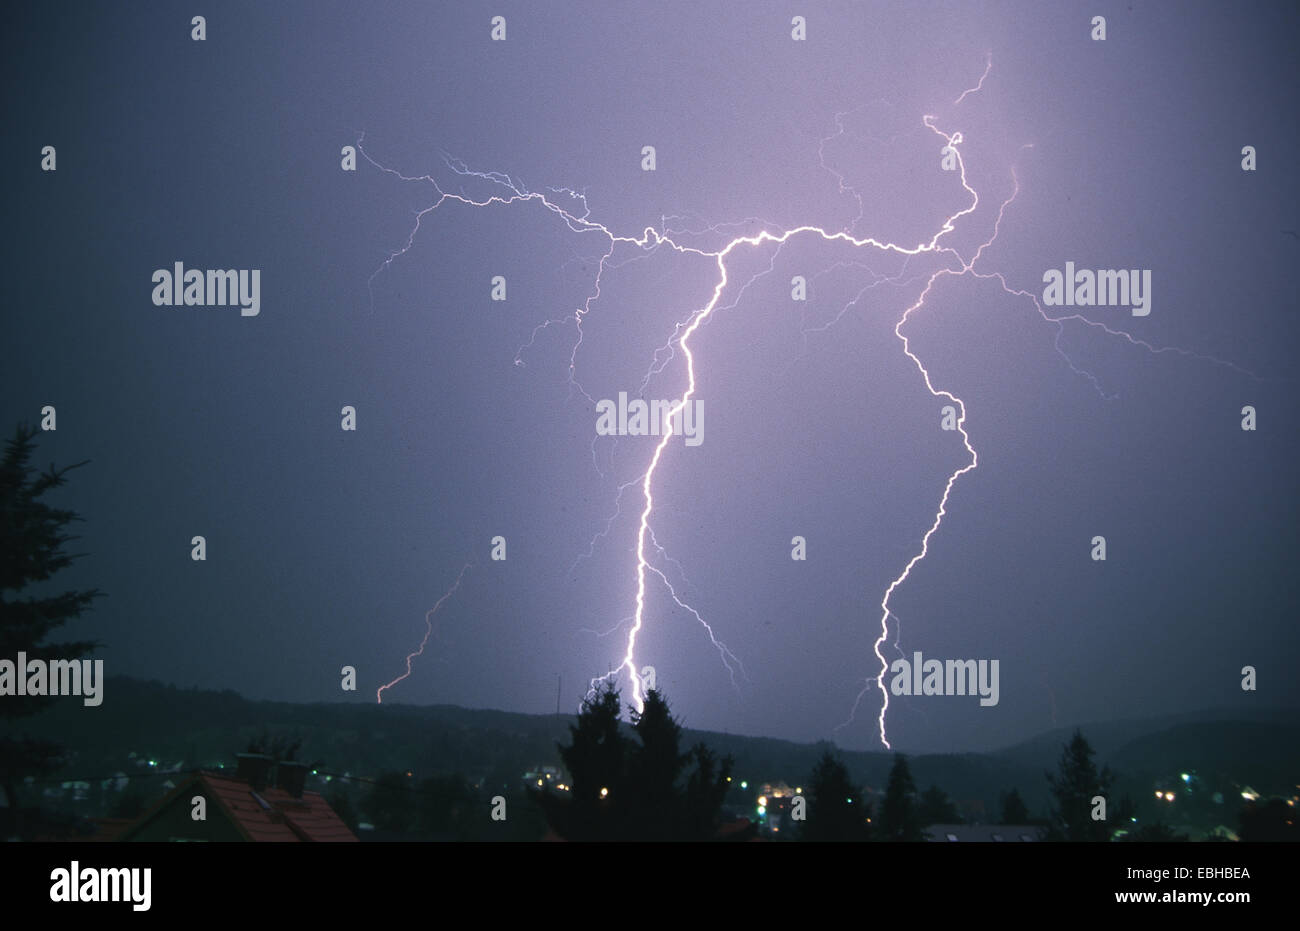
(652, 239)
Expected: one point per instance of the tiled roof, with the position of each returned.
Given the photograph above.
(109, 828)
(286, 819)
(266, 815)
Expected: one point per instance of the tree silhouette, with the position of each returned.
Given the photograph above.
(1123, 815)
(1074, 786)
(32, 539)
(389, 805)
(436, 805)
(1014, 810)
(705, 791)
(447, 805)
(936, 808)
(836, 811)
(626, 790)
(653, 771)
(596, 760)
(898, 813)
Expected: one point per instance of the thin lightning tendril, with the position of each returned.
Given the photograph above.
(988, 66)
(428, 631)
(579, 220)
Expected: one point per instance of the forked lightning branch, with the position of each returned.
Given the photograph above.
(682, 415)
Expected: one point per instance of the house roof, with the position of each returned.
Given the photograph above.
(109, 829)
(266, 815)
(739, 829)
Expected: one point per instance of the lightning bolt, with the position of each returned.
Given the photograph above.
(428, 631)
(988, 66)
(574, 212)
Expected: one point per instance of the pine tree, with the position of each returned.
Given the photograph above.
(898, 813)
(33, 535)
(937, 808)
(596, 759)
(706, 789)
(836, 811)
(1014, 810)
(626, 790)
(1074, 787)
(653, 773)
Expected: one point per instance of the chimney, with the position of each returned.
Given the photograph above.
(291, 777)
(254, 768)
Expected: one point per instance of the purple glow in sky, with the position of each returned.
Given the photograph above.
(840, 256)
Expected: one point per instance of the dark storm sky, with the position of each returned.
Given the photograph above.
(326, 548)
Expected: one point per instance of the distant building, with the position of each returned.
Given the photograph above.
(79, 791)
(778, 790)
(773, 808)
(551, 777)
(242, 808)
(984, 833)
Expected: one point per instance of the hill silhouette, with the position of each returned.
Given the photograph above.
(203, 728)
